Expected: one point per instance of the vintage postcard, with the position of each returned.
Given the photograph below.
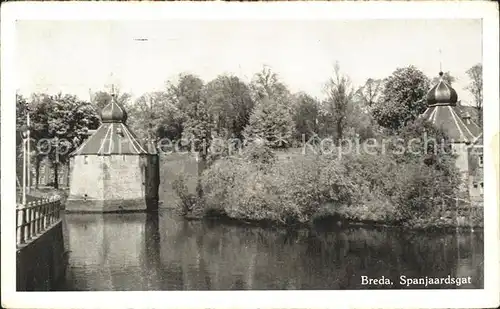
(250, 155)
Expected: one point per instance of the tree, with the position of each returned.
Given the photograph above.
(359, 122)
(102, 98)
(369, 93)
(198, 131)
(186, 93)
(183, 97)
(272, 122)
(266, 84)
(305, 116)
(230, 102)
(59, 124)
(22, 108)
(446, 77)
(476, 89)
(339, 96)
(68, 123)
(37, 108)
(198, 125)
(21, 111)
(154, 115)
(402, 99)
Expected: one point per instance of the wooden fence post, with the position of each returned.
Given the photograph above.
(51, 206)
(33, 219)
(44, 213)
(23, 226)
(28, 227)
(38, 218)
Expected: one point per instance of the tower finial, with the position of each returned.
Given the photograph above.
(440, 62)
(113, 90)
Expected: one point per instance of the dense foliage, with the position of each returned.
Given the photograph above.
(58, 125)
(402, 98)
(272, 122)
(476, 89)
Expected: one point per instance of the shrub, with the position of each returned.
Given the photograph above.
(271, 121)
(243, 189)
(284, 190)
(218, 181)
(296, 185)
(188, 201)
(258, 153)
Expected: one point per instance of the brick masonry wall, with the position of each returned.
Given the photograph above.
(113, 183)
(86, 178)
(123, 177)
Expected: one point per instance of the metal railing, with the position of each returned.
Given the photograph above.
(36, 217)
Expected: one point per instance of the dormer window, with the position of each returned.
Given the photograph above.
(466, 118)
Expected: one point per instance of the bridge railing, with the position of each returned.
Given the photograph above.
(36, 217)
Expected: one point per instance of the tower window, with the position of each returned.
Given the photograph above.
(481, 160)
(475, 185)
(85, 160)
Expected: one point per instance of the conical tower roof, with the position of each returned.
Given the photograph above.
(113, 137)
(444, 113)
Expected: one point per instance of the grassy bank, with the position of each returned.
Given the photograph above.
(260, 187)
(46, 192)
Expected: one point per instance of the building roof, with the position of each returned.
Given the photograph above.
(442, 93)
(459, 127)
(472, 110)
(478, 143)
(113, 137)
(113, 112)
(444, 113)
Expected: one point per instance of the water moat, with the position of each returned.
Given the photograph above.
(164, 251)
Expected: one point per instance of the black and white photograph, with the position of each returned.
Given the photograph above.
(238, 153)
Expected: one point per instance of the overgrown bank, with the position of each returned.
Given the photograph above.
(415, 191)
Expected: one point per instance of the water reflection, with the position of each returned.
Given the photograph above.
(112, 252)
(165, 252)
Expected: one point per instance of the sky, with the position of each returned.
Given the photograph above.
(80, 57)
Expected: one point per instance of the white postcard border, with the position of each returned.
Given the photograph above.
(488, 11)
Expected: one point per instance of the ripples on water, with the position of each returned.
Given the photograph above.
(136, 251)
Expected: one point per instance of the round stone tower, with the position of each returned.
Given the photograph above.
(445, 112)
